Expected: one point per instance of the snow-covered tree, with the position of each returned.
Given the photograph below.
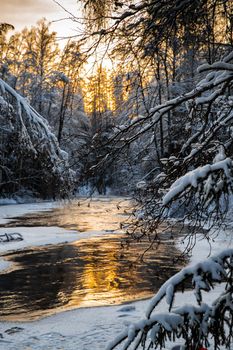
(165, 41)
(50, 80)
(30, 156)
(196, 180)
(195, 184)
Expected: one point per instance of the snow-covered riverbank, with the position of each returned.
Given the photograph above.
(81, 329)
(38, 236)
(35, 236)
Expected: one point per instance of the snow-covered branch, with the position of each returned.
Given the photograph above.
(205, 93)
(192, 178)
(33, 149)
(195, 324)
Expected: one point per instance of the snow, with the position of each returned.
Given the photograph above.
(14, 210)
(212, 265)
(86, 328)
(197, 313)
(36, 137)
(220, 74)
(5, 201)
(192, 177)
(36, 236)
(31, 237)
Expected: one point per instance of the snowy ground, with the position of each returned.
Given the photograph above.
(81, 329)
(31, 237)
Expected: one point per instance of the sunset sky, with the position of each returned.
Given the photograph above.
(23, 13)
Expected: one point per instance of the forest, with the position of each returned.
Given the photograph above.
(139, 103)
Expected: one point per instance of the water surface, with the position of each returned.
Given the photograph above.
(90, 272)
(98, 214)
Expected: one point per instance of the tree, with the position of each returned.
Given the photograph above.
(50, 79)
(69, 79)
(196, 325)
(30, 58)
(168, 38)
(30, 156)
(44, 51)
(107, 107)
(198, 177)
(188, 131)
(193, 177)
(4, 29)
(99, 106)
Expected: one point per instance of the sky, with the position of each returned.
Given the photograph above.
(25, 13)
(22, 13)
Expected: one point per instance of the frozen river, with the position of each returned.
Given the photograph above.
(92, 271)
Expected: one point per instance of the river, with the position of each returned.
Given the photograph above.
(93, 271)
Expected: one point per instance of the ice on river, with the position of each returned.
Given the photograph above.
(37, 235)
(80, 329)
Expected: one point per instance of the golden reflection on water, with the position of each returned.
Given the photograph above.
(112, 276)
(91, 216)
(98, 214)
(89, 272)
(100, 275)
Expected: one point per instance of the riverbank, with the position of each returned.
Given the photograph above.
(32, 232)
(89, 328)
(92, 271)
(31, 237)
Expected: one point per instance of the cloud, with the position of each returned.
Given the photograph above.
(22, 13)
(25, 13)
(8, 7)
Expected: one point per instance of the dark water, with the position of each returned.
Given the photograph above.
(91, 272)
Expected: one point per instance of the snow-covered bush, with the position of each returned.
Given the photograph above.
(194, 182)
(194, 185)
(29, 151)
(194, 325)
